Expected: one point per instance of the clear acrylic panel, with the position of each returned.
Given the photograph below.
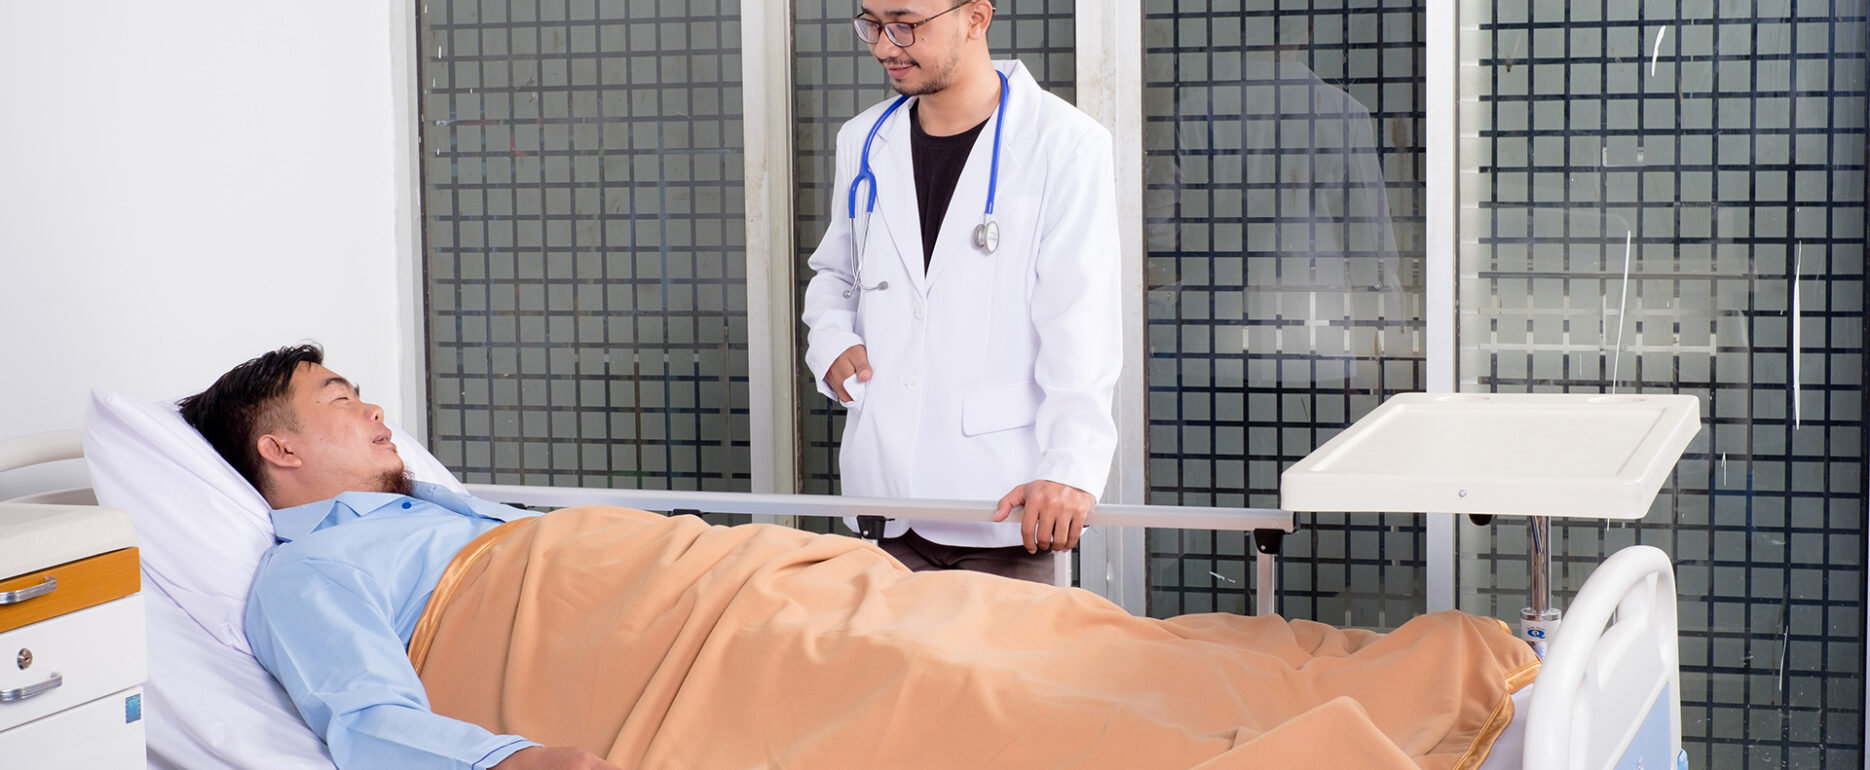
(1670, 198)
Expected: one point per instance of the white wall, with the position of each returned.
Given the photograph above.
(186, 185)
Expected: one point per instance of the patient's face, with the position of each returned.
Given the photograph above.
(341, 437)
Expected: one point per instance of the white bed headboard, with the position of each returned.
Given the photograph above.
(40, 449)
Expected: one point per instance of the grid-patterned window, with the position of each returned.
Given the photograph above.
(1283, 161)
(584, 242)
(836, 79)
(1669, 197)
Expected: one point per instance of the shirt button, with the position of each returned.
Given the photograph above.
(407, 504)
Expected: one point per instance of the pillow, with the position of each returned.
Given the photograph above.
(202, 528)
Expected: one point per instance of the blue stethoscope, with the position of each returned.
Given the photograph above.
(986, 234)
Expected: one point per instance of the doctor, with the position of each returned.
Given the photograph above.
(965, 309)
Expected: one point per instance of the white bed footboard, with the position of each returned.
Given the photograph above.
(1609, 693)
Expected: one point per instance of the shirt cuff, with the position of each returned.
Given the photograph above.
(508, 745)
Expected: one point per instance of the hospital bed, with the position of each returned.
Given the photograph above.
(1607, 695)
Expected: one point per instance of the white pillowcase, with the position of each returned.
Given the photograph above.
(202, 528)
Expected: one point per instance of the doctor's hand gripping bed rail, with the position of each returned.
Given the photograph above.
(1608, 694)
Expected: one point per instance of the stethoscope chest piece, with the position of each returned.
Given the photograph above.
(987, 235)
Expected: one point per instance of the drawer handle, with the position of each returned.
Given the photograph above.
(27, 692)
(46, 586)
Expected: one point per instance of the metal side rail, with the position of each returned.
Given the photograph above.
(1268, 525)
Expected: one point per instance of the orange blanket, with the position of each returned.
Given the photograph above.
(663, 642)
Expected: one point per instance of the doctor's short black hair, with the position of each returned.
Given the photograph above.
(247, 402)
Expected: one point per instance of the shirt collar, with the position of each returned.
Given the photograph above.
(300, 520)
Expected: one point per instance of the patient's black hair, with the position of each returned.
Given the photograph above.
(246, 403)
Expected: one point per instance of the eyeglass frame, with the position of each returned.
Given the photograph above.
(859, 24)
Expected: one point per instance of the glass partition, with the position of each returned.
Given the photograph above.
(1669, 198)
(584, 242)
(1284, 222)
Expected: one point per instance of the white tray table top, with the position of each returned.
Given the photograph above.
(1532, 454)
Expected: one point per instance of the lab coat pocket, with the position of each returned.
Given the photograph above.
(1000, 407)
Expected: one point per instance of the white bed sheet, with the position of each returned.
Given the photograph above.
(212, 707)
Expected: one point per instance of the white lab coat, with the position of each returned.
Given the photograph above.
(993, 369)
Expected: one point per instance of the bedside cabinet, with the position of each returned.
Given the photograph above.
(72, 639)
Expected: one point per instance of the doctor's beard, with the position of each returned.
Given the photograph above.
(938, 79)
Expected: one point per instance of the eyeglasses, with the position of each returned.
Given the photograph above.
(902, 33)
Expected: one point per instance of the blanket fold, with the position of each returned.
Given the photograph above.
(664, 642)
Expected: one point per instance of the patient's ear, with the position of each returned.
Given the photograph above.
(276, 452)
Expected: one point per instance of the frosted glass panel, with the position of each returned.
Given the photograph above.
(1284, 218)
(1669, 198)
(584, 243)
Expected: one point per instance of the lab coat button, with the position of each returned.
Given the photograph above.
(913, 385)
(921, 312)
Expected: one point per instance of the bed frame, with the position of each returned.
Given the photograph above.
(1608, 695)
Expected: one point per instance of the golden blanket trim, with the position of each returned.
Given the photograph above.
(1502, 714)
(458, 567)
(663, 642)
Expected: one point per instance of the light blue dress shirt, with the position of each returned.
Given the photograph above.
(332, 609)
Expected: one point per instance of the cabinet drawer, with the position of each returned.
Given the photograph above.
(70, 586)
(105, 734)
(71, 659)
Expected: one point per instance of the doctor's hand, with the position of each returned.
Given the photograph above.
(854, 360)
(554, 758)
(1054, 517)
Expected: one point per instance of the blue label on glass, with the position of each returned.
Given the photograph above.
(133, 708)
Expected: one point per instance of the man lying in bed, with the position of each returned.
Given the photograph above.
(415, 627)
(327, 598)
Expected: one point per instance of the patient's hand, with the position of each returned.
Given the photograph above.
(554, 758)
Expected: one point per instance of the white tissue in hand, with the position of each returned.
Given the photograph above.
(855, 388)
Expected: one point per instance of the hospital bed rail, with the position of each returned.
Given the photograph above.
(1267, 525)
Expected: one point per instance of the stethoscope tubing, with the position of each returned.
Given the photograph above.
(986, 234)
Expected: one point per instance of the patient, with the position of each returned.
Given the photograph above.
(415, 627)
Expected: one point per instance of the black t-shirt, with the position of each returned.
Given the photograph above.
(938, 162)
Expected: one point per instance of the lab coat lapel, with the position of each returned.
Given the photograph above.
(969, 203)
(894, 166)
